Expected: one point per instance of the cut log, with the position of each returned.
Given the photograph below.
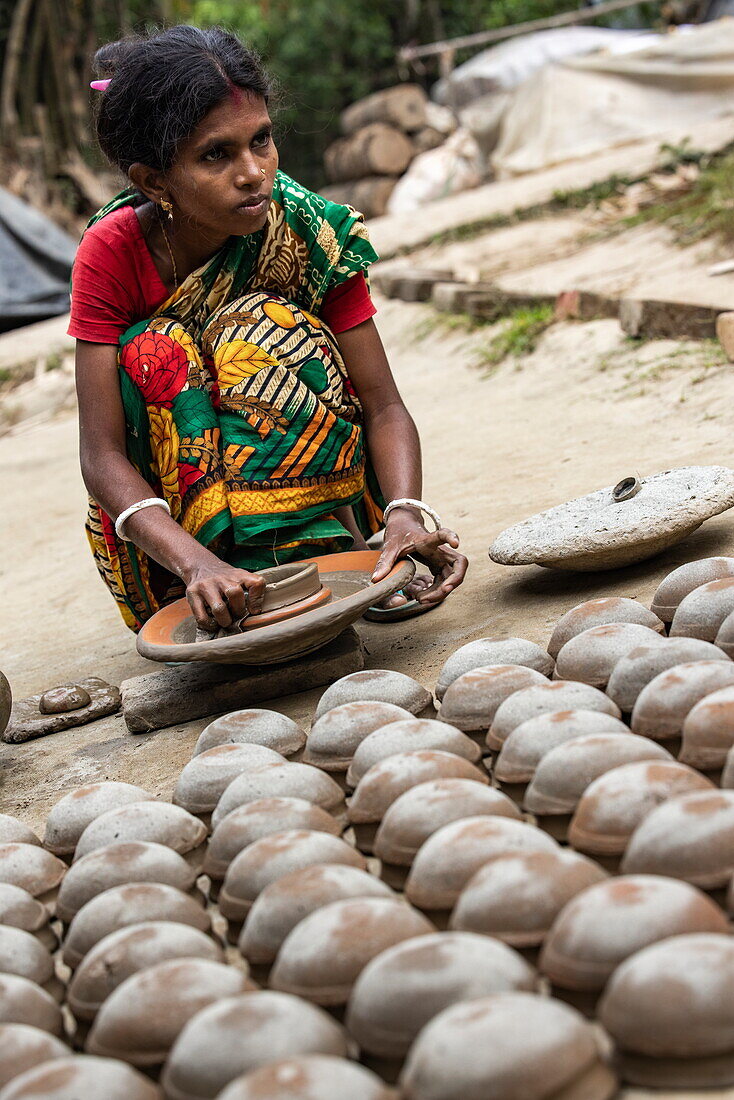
(427, 139)
(369, 195)
(641, 317)
(403, 106)
(376, 150)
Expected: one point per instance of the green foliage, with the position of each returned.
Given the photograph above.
(707, 210)
(517, 337)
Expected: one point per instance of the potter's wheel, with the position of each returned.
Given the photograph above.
(306, 605)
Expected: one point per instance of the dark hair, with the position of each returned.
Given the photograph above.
(162, 87)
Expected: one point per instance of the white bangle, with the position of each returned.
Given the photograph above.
(147, 503)
(408, 502)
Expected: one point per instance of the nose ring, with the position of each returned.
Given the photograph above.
(263, 171)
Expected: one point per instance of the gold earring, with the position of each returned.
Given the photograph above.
(168, 207)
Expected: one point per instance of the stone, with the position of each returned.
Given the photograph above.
(505, 1046)
(584, 305)
(73, 1077)
(385, 781)
(517, 896)
(493, 651)
(448, 859)
(659, 320)
(160, 822)
(708, 731)
(594, 532)
(23, 1047)
(243, 1033)
(27, 720)
(23, 1001)
(286, 780)
(690, 837)
(253, 727)
(407, 985)
(271, 857)
(546, 699)
(321, 959)
(19, 909)
(62, 699)
(725, 333)
(641, 665)
(6, 702)
(206, 777)
(137, 861)
(410, 735)
(601, 612)
(527, 745)
(316, 1076)
(335, 737)
(702, 611)
(22, 954)
(472, 701)
(423, 810)
(70, 816)
(31, 868)
(13, 831)
(376, 685)
(677, 585)
(592, 655)
(663, 705)
(670, 1012)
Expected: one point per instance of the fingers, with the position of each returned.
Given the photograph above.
(255, 593)
(218, 607)
(446, 578)
(386, 561)
(199, 610)
(236, 597)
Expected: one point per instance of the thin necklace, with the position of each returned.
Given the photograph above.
(170, 253)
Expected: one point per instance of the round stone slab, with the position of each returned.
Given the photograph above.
(690, 837)
(594, 532)
(592, 655)
(641, 665)
(82, 1075)
(472, 700)
(410, 735)
(493, 651)
(708, 731)
(676, 586)
(701, 613)
(388, 779)
(526, 746)
(316, 1076)
(253, 727)
(663, 705)
(601, 612)
(379, 685)
(546, 699)
(335, 737)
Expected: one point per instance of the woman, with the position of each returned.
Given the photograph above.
(227, 360)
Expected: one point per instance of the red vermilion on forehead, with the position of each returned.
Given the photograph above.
(235, 92)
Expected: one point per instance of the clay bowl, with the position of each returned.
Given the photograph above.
(82, 1076)
(253, 727)
(590, 613)
(410, 735)
(206, 777)
(239, 1034)
(23, 1047)
(725, 637)
(407, 985)
(546, 699)
(702, 611)
(472, 700)
(611, 808)
(492, 651)
(271, 857)
(591, 656)
(169, 635)
(316, 1076)
(377, 685)
(335, 737)
(32, 869)
(708, 731)
(641, 665)
(326, 952)
(22, 954)
(19, 909)
(727, 775)
(690, 837)
(286, 780)
(670, 1012)
(284, 903)
(70, 816)
(23, 1001)
(663, 706)
(677, 585)
(127, 951)
(526, 746)
(13, 831)
(141, 1020)
(505, 1046)
(517, 896)
(138, 861)
(423, 810)
(6, 702)
(160, 822)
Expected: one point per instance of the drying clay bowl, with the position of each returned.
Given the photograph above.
(70, 816)
(708, 731)
(19, 909)
(663, 706)
(423, 810)
(243, 1033)
(82, 1076)
(205, 778)
(546, 699)
(271, 857)
(286, 780)
(670, 1010)
(449, 858)
(493, 651)
(641, 665)
(407, 985)
(387, 780)
(526, 746)
(23, 1047)
(6, 702)
(611, 808)
(326, 952)
(725, 637)
(138, 861)
(31, 868)
(471, 701)
(169, 634)
(596, 532)
(22, 1001)
(727, 775)
(410, 735)
(253, 727)
(676, 586)
(702, 611)
(608, 922)
(506, 1046)
(125, 952)
(22, 954)
(256, 820)
(122, 906)
(517, 896)
(610, 609)
(160, 822)
(284, 903)
(314, 1076)
(141, 1020)
(377, 685)
(690, 837)
(335, 736)
(13, 831)
(592, 655)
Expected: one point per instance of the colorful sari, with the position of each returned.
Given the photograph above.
(238, 407)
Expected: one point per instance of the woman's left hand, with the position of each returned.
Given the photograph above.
(405, 536)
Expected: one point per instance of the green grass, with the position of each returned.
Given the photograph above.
(518, 336)
(707, 210)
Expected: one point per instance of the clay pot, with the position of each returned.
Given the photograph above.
(19, 909)
(383, 783)
(74, 1077)
(611, 808)
(315, 1076)
(241, 1034)
(670, 1011)
(127, 951)
(493, 651)
(284, 903)
(676, 586)
(662, 707)
(708, 731)
(590, 613)
(608, 922)
(410, 735)
(285, 780)
(702, 611)
(423, 810)
(725, 637)
(635, 671)
(205, 778)
(526, 746)
(546, 699)
(22, 954)
(727, 775)
(690, 837)
(271, 857)
(336, 736)
(138, 861)
(506, 1046)
(517, 896)
(160, 822)
(256, 820)
(122, 906)
(449, 858)
(70, 816)
(22, 1001)
(380, 686)
(471, 701)
(13, 831)
(23, 1047)
(141, 1020)
(326, 952)
(31, 868)
(253, 727)
(592, 655)
(407, 985)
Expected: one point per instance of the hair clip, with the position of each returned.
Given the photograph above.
(100, 85)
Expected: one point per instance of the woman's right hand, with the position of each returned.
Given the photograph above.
(219, 594)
